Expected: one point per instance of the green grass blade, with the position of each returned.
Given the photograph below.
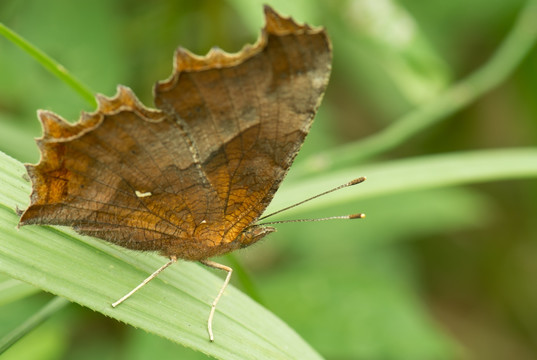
(512, 51)
(35, 320)
(12, 290)
(48, 63)
(420, 173)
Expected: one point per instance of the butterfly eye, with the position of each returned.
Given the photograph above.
(253, 234)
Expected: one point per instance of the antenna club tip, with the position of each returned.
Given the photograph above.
(357, 216)
(358, 180)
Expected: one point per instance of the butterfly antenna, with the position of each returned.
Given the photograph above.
(353, 216)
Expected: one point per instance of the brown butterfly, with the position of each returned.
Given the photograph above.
(190, 178)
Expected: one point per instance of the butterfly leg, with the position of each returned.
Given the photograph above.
(149, 278)
(229, 271)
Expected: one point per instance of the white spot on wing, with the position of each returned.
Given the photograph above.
(142, 194)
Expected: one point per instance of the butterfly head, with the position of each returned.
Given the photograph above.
(252, 234)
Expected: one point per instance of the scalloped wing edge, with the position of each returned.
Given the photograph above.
(57, 129)
(275, 24)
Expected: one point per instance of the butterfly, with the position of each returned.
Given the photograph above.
(190, 178)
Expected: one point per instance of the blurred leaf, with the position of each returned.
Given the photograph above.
(32, 322)
(56, 69)
(512, 51)
(409, 174)
(13, 290)
(142, 346)
(45, 341)
(356, 281)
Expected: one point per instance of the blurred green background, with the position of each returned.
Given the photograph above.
(429, 274)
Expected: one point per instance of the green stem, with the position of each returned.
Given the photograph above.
(51, 65)
(34, 321)
(509, 55)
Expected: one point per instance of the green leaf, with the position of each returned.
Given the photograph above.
(399, 176)
(48, 310)
(13, 290)
(55, 68)
(516, 46)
